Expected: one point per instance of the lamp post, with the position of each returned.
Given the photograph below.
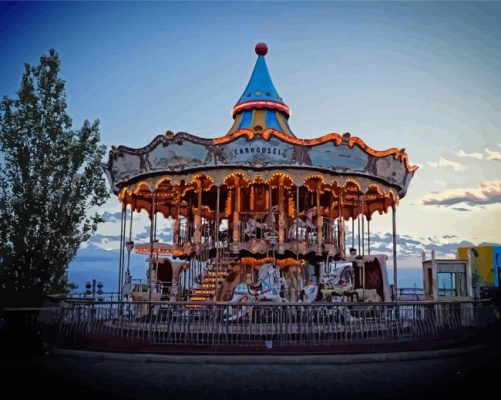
(94, 288)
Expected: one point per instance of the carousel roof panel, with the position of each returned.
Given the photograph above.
(173, 155)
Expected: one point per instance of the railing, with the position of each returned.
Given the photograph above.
(103, 296)
(410, 294)
(144, 285)
(277, 324)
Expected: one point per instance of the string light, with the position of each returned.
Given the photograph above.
(287, 262)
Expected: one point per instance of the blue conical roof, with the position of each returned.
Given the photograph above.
(260, 92)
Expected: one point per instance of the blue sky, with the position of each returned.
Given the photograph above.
(424, 76)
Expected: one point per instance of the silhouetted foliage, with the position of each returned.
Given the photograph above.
(50, 176)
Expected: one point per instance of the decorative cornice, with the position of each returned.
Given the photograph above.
(269, 104)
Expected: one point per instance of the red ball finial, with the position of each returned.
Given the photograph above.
(261, 49)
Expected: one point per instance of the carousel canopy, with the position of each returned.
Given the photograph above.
(259, 147)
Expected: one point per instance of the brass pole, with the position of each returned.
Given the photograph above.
(217, 226)
(394, 223)
(150, 266)
(120, 256)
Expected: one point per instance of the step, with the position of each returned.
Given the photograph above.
(200, 294)
(203, 292)
(197, 299)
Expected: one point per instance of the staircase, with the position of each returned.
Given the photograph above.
(207, 289)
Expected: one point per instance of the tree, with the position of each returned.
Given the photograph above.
(50, 177)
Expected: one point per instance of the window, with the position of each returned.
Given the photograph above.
(451, 279)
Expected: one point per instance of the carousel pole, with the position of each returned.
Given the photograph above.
(152, 223)
(368, 236)
(236, 212)
(394, 223)
(198, 218)
(358, 223)
(320, 220)
(130, 246)
(363, 230)
(281, 216)
(156, 240)
(121, 254)
(330, 230)
(177, 223)
(270, 206)
(218, 189)
(341, 233)
(252, 195)
(352, 231)
(297, 227)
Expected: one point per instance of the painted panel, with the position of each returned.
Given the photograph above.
(482, 264)
(173, 157)
(497, 265)
(178, 156)
(186, 152)
(339, 158)
(126, 166)
(389, 168)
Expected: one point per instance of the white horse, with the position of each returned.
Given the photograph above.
(267, 288)
(251, 225)
(336, 282)
(299, 226)
(367, 295)
(340, 283)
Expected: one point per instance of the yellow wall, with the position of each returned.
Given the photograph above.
(482, 264)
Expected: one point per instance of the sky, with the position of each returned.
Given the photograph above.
(420, 76)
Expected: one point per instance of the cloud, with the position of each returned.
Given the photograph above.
(112, 217)
(443, 162)
(489, 192)
(460, 209)
(493, 155)
(440, 183)
(478, 156)
(98, 238)
(408, 247)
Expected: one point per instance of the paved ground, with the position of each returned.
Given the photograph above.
(465, 376)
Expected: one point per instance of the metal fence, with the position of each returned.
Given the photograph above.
(276, 324)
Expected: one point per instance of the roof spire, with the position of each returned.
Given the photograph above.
(261, 49)
(260, 106)
(260, 92)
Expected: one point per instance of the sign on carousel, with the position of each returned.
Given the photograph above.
(258, 151)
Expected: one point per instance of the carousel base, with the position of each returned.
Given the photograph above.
(359, 351)
(306, 355)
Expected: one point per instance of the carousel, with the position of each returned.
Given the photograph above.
(258, 214)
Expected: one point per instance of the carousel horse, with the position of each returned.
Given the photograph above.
(340, 283)
(366, 295)
(298, 224)
(251, 225)
(267, 288)
(337, 283)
